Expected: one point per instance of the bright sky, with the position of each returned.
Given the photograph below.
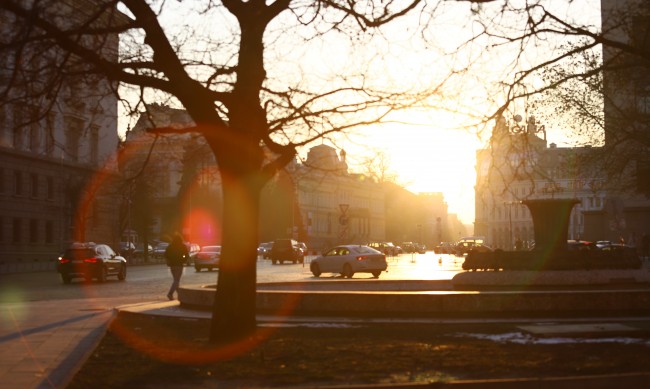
(433, 154)
(426, 158)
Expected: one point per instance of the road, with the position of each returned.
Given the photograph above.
(151, 282)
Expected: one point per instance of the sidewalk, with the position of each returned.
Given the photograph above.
(44, 345)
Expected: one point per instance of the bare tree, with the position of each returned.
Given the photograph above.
(223, 63)
(580, 66)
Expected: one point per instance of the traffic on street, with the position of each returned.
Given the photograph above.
(150, 282)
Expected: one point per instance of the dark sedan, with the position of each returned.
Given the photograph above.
(90, 260)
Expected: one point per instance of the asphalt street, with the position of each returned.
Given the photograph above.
(48, 329)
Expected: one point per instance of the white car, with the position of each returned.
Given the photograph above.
(207, 258)
(349, 259)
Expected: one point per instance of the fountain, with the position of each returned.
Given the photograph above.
(551, 251)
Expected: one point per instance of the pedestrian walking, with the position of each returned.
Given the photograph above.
(175, 255)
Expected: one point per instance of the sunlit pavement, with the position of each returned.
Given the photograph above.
(427, 266)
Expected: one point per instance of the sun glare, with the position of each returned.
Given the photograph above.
(428, 157)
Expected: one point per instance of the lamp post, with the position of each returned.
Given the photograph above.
(510, 237)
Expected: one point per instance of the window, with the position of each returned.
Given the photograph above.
(18, 127)
(17, 231)
(18, 183)
(34, 180)
(34, 138)
(74, 130)
(33, 231)
(49, 134)
(50, 188)
(49, 232)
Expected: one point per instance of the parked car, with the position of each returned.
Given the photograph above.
(192, 250)
(387, 248)
(127, 249)
(445, 248)
(467, 243)
(420, 248)
(207, 258)
(91, 260)
(580, 245)
(603, 244)
(348, 260)
(159, 250)
(264, 250)
(413, 247)
(286, 250)
(139, 250)
(408, 247)
(481, 248)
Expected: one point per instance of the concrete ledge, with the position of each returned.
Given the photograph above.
(568, 278)
(441, 303)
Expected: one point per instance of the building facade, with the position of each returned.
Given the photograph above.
(520, 165)
(57, 148)
(171, 181)
(319, 202)
(626, 82)
(173, 185)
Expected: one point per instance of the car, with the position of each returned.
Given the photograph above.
(601, 244)
(127, 248)
(481, 248)
(387, 248)
(159, 250)
(264, 249)
(464, 245)
(139, 250)
(192, 250)
(91, 260)
(580, 245)
(408, 247)
(303, 247)
(286, 250)
(207, 258)
(348, 260)
(420, 248)
(445, 248)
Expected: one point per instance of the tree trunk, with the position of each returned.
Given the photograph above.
(233, 314)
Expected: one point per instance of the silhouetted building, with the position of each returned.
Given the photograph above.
(57, 171)
(519, 165)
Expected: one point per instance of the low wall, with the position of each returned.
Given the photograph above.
(441, 303)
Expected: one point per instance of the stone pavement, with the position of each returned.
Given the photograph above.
(44, 343)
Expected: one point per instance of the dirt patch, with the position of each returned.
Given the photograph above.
(153, 352)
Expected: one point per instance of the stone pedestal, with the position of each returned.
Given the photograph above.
(551, 222)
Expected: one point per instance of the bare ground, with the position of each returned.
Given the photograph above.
(154, 352)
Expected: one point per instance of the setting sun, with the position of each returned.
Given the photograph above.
(427, 155)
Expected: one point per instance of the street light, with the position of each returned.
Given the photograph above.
(510, 204)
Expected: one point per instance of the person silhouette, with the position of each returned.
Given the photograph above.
(175, 255)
